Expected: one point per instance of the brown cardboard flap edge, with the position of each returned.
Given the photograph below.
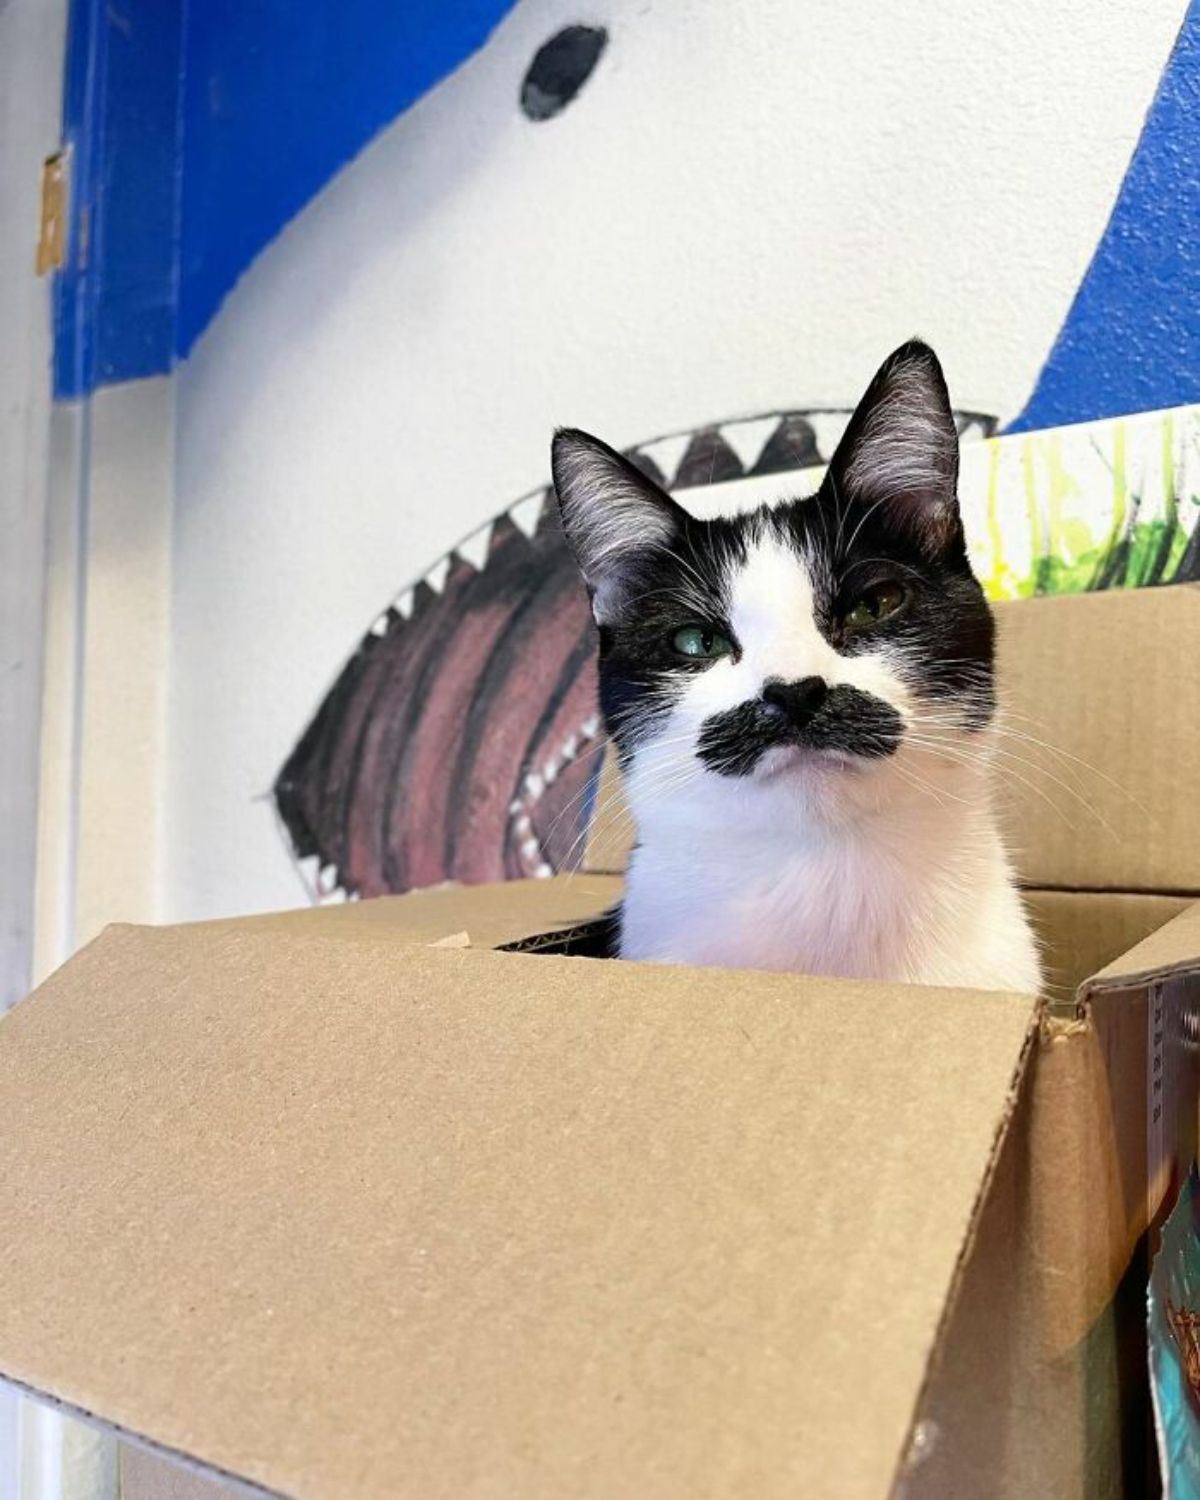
(491, 916)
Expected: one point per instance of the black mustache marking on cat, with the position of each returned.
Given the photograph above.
(843, 719)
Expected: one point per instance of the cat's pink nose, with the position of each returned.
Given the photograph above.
(796, 702)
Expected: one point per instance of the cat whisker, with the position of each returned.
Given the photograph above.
(999, 727)
(922, 786)
(890, 562)
(957, 752)
(615, 812)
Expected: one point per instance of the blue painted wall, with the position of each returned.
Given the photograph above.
(277, 96)
(199, 130)
(1131, 341)
(115, 297)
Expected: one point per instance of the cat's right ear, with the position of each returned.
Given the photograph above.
(615, 519)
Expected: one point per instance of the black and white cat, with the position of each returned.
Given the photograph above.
(802, 700)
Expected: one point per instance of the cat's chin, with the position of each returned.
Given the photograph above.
(786, 761)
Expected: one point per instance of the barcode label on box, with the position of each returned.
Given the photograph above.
(1160, 1147)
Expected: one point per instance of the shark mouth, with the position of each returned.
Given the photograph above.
(462, 740)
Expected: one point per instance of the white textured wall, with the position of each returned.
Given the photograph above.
(43, 1454)
(744, 209)
(107, 648)
(31, 41)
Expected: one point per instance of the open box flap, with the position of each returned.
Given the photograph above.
(420, 1222)
(1089, 792)
(1172, 949)
(488, 915)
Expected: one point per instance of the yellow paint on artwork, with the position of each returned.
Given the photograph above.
(1059, 486)
(995, 581)
(1120, 487)
(1036, 539)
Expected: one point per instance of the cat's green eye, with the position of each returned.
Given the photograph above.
(701, 643)
(873, 605)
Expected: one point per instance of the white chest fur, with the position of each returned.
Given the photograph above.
(920, 893)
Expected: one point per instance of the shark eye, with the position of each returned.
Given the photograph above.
(560, 68)
(701, 643)
(874, 604)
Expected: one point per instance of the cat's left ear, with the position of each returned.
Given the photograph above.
(900, 450)
(615, 519)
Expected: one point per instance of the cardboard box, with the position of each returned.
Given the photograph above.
(404, 1198)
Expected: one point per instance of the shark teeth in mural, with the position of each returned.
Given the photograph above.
(323, 882)
(709, 460)
(526, 514)
(380, 626)
(436, 577)
(719, 452)
(475, 549)
(308, 869)
(748, 439)
(827, 427)
(520, 810)
(403, 604)
(665, 454)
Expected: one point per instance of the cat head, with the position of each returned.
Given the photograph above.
(823, 646)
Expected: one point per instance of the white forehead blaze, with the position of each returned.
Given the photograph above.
(772, 613)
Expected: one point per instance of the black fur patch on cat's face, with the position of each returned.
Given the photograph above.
(640, 671)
